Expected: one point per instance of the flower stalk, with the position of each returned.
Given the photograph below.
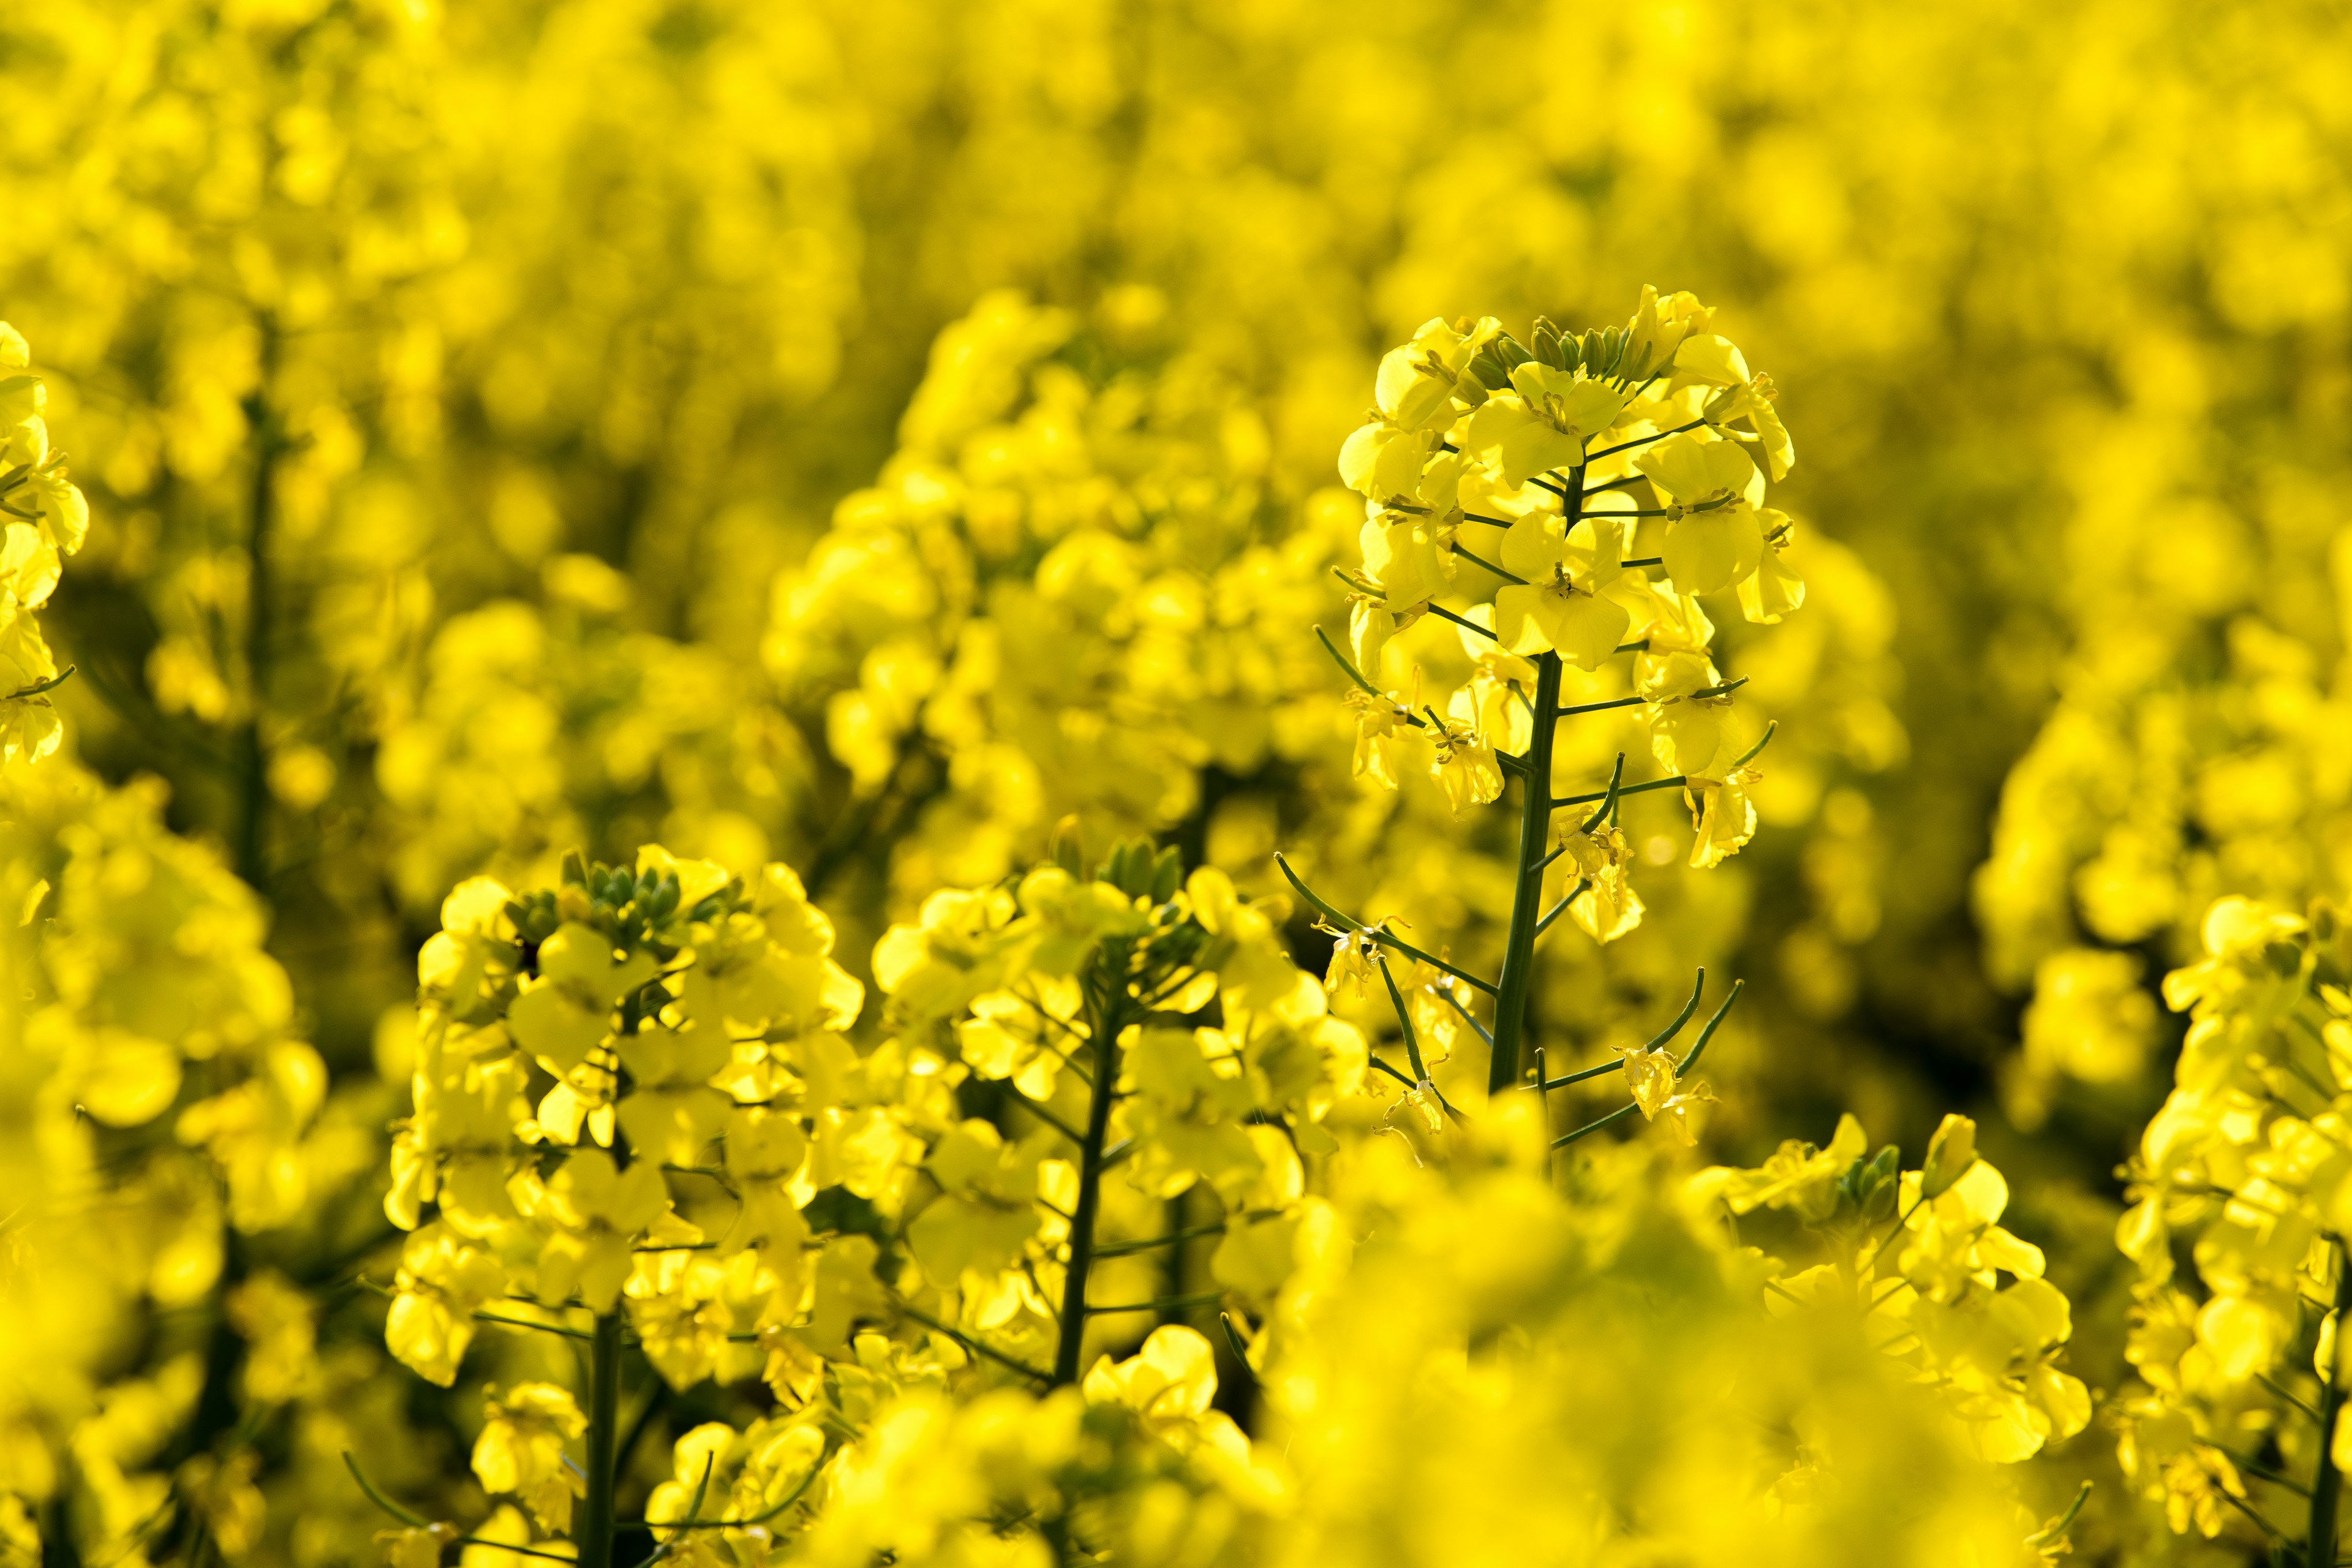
(1092, 1162)
(2327, 1480)
(596, 1520)
(1527, 898)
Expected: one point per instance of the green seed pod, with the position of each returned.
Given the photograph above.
(1167, 875)
(1545, 339)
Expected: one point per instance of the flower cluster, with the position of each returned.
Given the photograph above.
(47, 519)
(634, 1100)
(1915, 1261)
(2245, 1163)
(1487, 1364)
(1514, 475)
(1067, 592)
(159, 1107)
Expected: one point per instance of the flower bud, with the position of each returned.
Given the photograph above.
(1950, 1153)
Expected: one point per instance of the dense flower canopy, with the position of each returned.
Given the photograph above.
(1035, 782)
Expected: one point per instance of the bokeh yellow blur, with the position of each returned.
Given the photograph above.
(860, 436)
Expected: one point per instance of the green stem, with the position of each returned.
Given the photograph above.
(2327, 1481)
(1380, 934)
(1173, 1238)
(1091, 1165)
(975, 1346)
(253, 781)
(596, 1519)
(1404, 1021)
(1526, 912)
(61, 677)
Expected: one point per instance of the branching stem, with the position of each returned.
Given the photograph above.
(1526, 900)
(1092, 1162)
(2326, 1481)
(595, 1536)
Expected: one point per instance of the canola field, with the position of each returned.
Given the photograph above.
(1174, 783)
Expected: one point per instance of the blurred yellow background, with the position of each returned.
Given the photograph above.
(524, 424)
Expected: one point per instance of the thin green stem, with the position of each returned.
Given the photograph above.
(693, 1507)
(1681, 1068)
(1160, 1304)
(1771, 727)
(1044, 1115)
(1678, 780)
(1543, 1098)
(414, 1521)
(975, 1346)
(1468, 1016)
(523, 1323)
(596, 1518)
(2287, 1394)
(1091, 1164)
(1407, 1079)
(1560, 907)
(1642, 441)
(1404, 1018)
(1481, 561)
(1655, 1042)
(61, 677)
(1559, 714)
(1527, 900)
(261, 505)
(509, 1546)
(1173, 1238)
(2255, 1467)
(2327, 1481)
(760, 1518)
(1438, 610)
(1241, 1350)
(1357, 677)
(1595, 1125)
(1378, 934)
(1608, 806)
(2064, 1521)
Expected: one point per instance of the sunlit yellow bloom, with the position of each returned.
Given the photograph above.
(521, 1451)
(1542, 423)
(1724, 816)
(1462, 758)
(1561, 607)
(1601, 860)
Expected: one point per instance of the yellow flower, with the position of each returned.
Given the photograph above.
(1351, 962)
(1418, 383)
(1725, 814)
(1462, 761)
(566, 1013)
(442, 1281)
(596, 1210)
(1773, 591)
(1542, 422)
(1717, 540)
(1383, 737)
(1173, 1380)
(1607, 908)
(521, 1451)
(1797, 1177)
(986, 1208)
(1560, 606)
(415, 1548)
(1687, 713)
(1650, 1075)
(1406, 558)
